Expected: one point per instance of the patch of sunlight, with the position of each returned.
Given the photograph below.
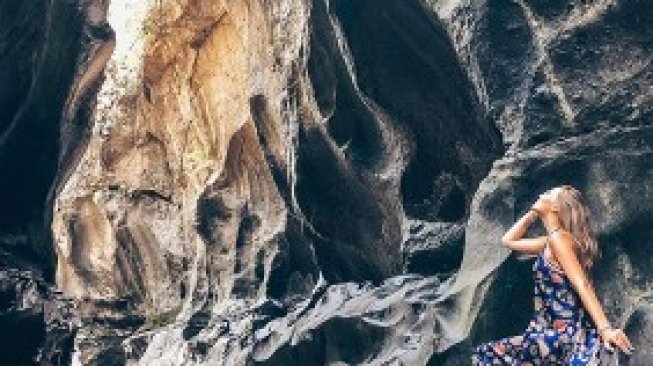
(123, 71)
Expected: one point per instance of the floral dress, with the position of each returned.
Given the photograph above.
(560, 332)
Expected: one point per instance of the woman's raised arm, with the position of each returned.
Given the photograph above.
(513, 237)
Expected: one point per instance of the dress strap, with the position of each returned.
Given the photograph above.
(546, 246)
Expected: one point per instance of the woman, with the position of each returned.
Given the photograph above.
(568, 324)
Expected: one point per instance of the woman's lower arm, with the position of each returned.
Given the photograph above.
(592, 305)
(594, 308)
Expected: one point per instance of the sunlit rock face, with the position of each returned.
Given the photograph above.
(297, 182)
(248, 158)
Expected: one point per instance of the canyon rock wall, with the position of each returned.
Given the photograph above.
(569, 85)
(296, 182)
(52, 55)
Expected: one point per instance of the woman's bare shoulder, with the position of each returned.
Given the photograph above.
(561, 244)
(563, 236)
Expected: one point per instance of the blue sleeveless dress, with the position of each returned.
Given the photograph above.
(559, 333)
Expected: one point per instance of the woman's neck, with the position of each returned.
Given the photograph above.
(550, 221)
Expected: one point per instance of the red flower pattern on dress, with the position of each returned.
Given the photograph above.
(500, 348)
(556, 278)
(560, 324)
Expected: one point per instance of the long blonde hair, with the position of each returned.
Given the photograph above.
(575, 218)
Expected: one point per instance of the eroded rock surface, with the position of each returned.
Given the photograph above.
(262, 153)
(51, 59)
(569, 84)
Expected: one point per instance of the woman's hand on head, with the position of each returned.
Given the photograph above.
(542, 205)
(616, 337)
